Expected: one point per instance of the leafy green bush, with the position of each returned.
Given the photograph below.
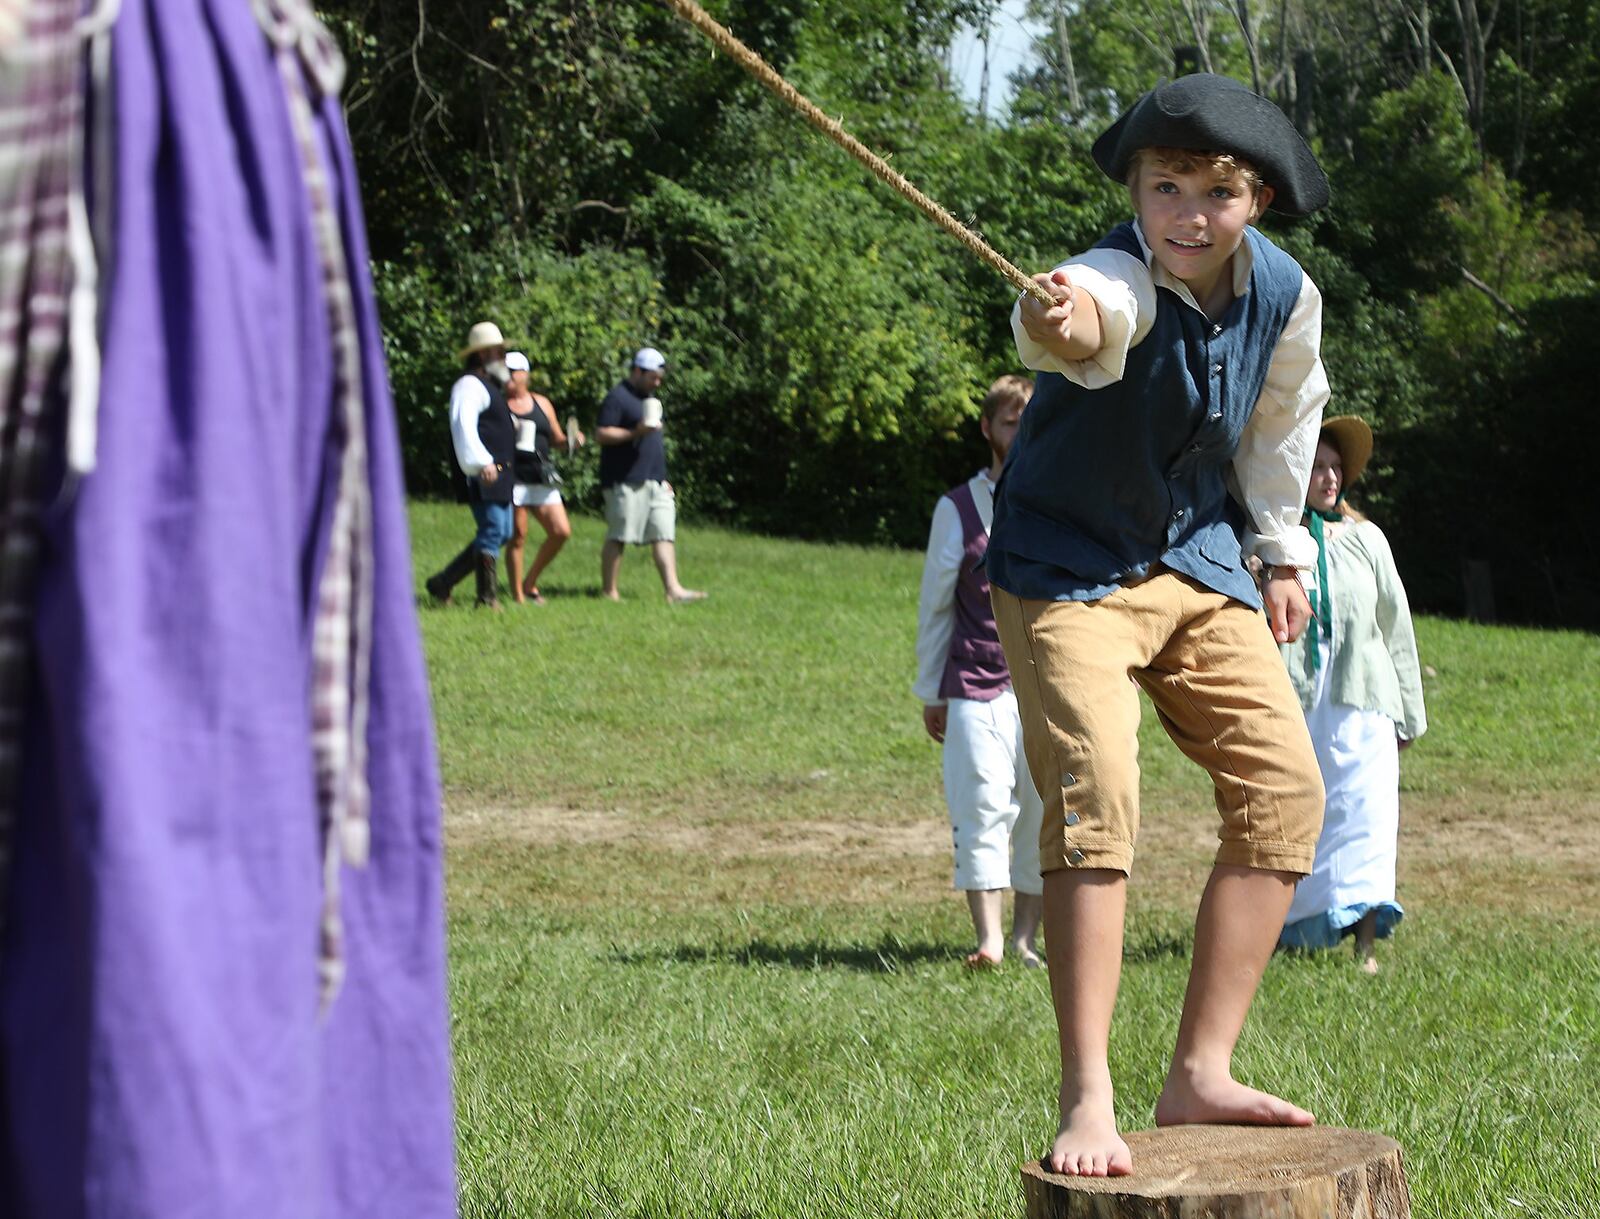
(587, 174)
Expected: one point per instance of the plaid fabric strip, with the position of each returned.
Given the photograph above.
(41, 115)
(310, 64)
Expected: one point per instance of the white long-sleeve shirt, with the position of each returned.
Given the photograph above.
(468, 400)
(941, 570)
(1272, 467)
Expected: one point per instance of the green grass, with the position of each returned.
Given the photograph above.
(774, 1062)
(789, 690)
(667, 1018)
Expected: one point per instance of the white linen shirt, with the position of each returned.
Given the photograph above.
(468, 400)
(1272, 467)
(941, 571)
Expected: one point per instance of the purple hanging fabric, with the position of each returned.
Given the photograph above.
(162, 1046)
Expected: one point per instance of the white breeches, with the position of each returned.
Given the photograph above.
(994, 809)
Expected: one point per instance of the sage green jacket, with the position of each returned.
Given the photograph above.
(1374, 664)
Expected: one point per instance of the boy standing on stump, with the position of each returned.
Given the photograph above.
(1177, 406)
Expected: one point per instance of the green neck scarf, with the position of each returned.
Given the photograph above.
(1322, 604)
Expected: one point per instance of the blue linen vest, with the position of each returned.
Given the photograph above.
(1101, 484)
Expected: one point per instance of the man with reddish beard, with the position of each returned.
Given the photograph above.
(969, 707)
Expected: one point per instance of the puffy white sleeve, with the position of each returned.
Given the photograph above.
(936, 606)
(1273, 464)
(468, 400)
(1125, 296)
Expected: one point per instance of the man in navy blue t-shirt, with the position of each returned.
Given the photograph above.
(640, 507)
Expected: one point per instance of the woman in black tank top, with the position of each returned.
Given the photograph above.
(535, 493)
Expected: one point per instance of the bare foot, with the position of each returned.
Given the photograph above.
(1087, 1144)
(1198, 1096)
(532, 594)
(1025, 953)
(1370, 965)
(982, 960)
(611, 596)
(684, 595)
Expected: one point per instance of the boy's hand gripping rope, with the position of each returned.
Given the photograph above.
(834, 130)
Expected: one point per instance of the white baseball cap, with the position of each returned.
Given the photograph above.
(517, 362)
(649, 359)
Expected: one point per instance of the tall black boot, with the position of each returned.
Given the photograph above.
(455, 571)
(488, 581)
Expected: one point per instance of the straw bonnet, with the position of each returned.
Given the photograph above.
(1353, 438)
(483, 334)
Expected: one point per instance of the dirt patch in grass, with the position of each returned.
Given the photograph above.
(720, 838)
(1537, 856)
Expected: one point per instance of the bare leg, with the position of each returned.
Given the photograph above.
(557, 529)
(1029, 907)
(519, 534)
(1237, 926)
(985, 907)
(666, 558)
(1083, 914)
(1367, 941)
(610, 567)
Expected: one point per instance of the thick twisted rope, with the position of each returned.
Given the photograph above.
(834, 130)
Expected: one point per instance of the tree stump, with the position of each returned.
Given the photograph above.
(1235, 1172)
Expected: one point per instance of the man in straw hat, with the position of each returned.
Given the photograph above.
(484, 432)
(1179, 363)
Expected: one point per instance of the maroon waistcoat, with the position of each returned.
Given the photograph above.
(976, 667)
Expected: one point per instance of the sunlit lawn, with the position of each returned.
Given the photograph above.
(705, 956)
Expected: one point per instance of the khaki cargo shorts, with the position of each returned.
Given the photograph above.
(1212, 669)
(640, 512)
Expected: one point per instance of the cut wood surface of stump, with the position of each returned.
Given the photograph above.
(1235, 1172)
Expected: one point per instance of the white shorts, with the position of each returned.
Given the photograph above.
(994, 810)
(534, 495)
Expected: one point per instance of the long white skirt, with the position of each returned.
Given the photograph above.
(1355, 866)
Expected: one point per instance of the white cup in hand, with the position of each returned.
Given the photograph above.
(652, 413)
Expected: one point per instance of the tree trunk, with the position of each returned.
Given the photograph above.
(1235, 1172)
(1305, 92)
(1074, 102)
(1241, 13)
(983, 79)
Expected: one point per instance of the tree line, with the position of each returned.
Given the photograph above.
(586, 173)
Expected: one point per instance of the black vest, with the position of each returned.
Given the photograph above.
(497, 429)
(533, 445)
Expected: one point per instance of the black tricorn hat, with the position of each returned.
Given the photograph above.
(1207, 113)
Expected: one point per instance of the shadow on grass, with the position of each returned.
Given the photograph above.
(887, 956)
(1148, 947)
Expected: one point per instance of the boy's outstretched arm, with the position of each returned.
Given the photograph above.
(1070, 330)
